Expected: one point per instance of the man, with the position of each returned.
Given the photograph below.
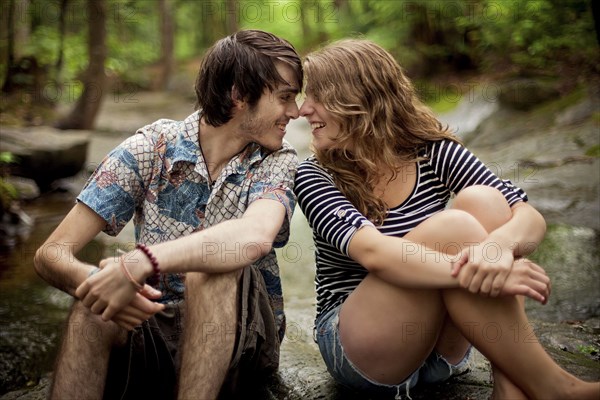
(210, 197)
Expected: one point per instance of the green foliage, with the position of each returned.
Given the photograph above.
(427, 36)
(541, 34)
(8, 192)
(587, 349)
(7, 157)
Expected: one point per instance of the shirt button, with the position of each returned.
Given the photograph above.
(341, 213)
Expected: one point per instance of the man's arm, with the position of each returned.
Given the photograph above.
(225, 247)
(55, 260)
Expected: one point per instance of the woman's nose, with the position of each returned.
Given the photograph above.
(305, 108)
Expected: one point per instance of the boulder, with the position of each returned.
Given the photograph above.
(45, 154)
(526, 93)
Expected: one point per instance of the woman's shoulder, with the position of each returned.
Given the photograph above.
(438, 147)
(311, 164)
(310, 168)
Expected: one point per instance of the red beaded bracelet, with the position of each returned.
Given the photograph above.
(153, 280)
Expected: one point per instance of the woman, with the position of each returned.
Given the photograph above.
(404, 285)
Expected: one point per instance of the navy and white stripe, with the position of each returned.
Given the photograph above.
(446, 168)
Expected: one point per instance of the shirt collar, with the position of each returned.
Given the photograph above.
(186, 149)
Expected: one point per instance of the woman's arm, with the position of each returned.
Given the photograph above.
(411, 265)
(394, 259)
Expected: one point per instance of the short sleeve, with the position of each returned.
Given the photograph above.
(118, 184)
(327, 210)
(458, 168)
(273, 179)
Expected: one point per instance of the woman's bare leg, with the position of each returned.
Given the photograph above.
(386, 331)
(520, 365)
(376, 319)
(491, 210)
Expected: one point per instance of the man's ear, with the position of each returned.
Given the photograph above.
(238, 101)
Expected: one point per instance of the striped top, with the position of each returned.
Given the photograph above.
(446, 168)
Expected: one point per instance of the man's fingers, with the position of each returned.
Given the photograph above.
(145, 305)
(127, 321)
(109, 312)
(150, 293)
(98, 307)
(82, 290)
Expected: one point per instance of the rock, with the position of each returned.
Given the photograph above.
(15, 225)
(579, 112)
(526, 93)
(44, 153)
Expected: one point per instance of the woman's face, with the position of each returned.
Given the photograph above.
(324, 128)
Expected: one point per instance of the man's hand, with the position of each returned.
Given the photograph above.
(139, 310)
(109, 291)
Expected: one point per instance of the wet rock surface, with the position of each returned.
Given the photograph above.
(45, 154)
(545, 151)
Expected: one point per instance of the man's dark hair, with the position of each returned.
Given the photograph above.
(245, 60)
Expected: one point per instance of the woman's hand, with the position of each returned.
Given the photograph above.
(524, 278)
(528, 279)
(484, 267)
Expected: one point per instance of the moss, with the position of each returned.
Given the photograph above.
(593, 151)
(562, 102)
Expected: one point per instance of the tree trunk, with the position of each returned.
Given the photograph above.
(62, 24)
(231, 16)
(7, 39)
(165, 10)
(14, 35)
(83, 114)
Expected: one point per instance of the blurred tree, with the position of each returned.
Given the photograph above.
(62, 26)
(16, 34)
(83, 114)
(165, 12)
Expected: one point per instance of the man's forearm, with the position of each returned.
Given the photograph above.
(58, 266)
(225, 247)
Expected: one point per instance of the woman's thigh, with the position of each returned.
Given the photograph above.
(388, 331)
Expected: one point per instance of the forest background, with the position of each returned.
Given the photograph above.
(60, 60)
(77, 51)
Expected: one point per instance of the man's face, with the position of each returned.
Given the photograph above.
(265, 123)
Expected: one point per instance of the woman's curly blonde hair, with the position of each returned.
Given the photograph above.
(382, 121)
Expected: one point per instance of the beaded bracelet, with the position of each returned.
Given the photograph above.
(153, 280)
(138, 286)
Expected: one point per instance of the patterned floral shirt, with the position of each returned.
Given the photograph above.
(158, 176)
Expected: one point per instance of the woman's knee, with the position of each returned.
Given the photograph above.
(446, 228)
(485, 203)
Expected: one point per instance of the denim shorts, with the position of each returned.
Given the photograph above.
(147, 366)
(434, 369)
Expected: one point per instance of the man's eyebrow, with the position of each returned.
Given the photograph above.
(288, 89)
